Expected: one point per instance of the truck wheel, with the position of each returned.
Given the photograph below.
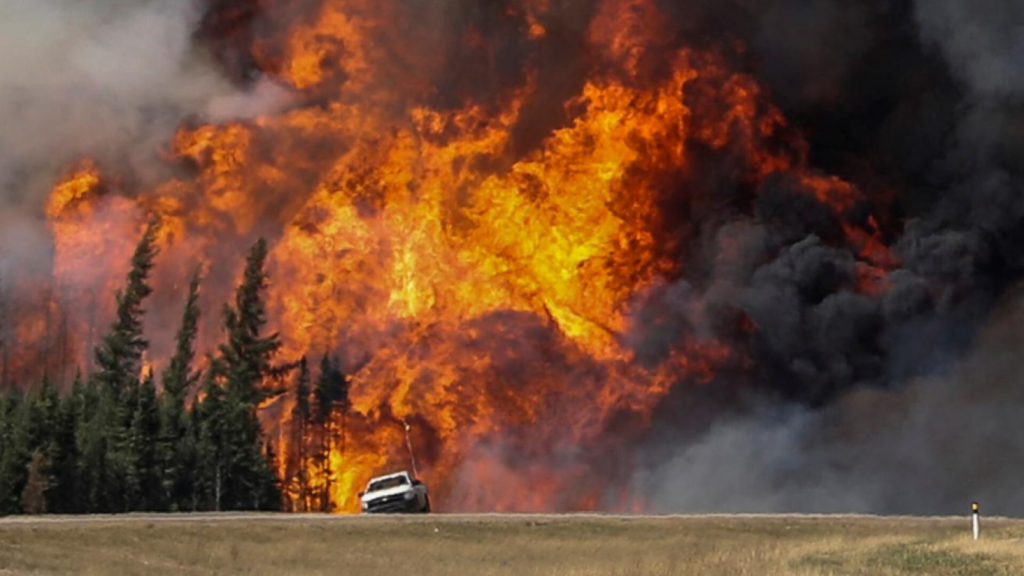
(426, 505)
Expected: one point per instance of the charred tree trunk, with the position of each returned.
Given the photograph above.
(217, 488)
(328, 445)
(303, 488)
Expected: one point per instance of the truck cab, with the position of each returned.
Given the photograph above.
(395, 493)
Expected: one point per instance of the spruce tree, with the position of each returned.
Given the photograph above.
(177, 447)
(119, 361)
(145, 482)
(209, 417)
(246, 361)
(14, 451)
(44, 413)
(92, 445)
(28, 463)
(119, 355)
(63, 496)
(50, 449)
(246, 370)
(180, 376)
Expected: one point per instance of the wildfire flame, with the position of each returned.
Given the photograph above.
(482, 295)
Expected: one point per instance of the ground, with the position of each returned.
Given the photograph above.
(510, 545)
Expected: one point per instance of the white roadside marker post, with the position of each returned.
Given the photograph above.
(976, 520)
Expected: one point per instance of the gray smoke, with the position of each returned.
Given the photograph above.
(110, 79)
(854, 402)
(929, 447)
(106, 78)
(981, 39)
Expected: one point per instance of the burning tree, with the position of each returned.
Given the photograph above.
(317, 445)
(296, 471)
(330, 410)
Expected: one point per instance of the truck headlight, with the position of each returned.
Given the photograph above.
(410, 495)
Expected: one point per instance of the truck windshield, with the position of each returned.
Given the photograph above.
(387, 483)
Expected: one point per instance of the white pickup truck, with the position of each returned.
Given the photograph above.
(395, 493)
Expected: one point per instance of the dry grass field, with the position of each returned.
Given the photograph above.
(510, 546)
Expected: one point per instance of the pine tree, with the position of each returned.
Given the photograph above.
(331, 399)
(25, 473)
(14, 451)
(246, 370)
(119, 355)
(209, 418)
(44, 406)
(63, 495)
(145, 483)
(119, 362)
(48, 443)
(177, 447)
(180, 377)
(92, 447)
(247, 360)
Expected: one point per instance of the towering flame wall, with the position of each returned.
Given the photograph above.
(491, 253)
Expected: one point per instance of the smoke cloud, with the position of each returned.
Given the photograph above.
(889, 403)
(928, 447)
(980, 39)
(108, 79)
(104, 78)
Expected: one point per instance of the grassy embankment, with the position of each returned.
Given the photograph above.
(517, 545)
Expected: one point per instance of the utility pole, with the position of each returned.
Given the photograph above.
(408, 442)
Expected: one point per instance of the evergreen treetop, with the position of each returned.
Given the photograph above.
(119, 355)
(246, 359)
(179, 376)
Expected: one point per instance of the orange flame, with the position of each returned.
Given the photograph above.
(482, 297)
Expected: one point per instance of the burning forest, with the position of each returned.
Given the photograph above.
(625, 255)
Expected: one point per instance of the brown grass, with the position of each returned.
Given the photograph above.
(512, 545)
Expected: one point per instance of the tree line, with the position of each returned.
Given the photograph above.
(122, 440)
